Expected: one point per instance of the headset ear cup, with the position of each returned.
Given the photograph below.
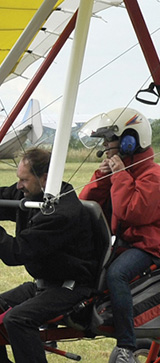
(128, 144)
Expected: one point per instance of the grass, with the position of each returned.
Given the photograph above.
(92, 351)
(82, 175)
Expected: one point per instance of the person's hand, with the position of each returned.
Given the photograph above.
(104, 167)
(115, 163)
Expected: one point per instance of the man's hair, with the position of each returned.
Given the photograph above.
(38, 159)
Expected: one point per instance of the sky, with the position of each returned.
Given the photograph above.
(112, 73)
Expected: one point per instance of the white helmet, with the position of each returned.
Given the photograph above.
(118, 123)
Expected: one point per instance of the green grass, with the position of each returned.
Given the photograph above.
(82, 175)
(92, 351)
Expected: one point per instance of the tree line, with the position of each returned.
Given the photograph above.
(156, 132)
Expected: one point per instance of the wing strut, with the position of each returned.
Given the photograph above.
(63, 131)
(38, 76)
(147, 47)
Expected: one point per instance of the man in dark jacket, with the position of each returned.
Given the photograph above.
(53, 248)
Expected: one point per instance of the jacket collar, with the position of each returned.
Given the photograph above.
(140, 161)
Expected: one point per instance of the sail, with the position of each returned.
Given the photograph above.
(14, 18)
(15, 15)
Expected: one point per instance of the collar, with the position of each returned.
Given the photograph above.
(146, 157)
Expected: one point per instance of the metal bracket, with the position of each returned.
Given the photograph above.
(152, 92)
(48, 206)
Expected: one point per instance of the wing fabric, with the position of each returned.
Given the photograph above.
(15, 16)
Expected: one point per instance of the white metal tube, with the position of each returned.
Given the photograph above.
(63, 131)
(32, 204)
(25, 38)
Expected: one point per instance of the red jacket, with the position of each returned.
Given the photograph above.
(135, 195)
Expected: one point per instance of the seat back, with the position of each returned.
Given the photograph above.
(102, 238)
(102, 242)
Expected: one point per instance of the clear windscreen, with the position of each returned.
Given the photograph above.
(89, 142)
(88, 129)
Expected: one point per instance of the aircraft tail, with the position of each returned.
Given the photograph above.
(32, 119)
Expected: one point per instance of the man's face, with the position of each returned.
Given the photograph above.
(112, 147)
(28, 183)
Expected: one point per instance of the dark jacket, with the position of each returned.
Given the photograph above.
(54, 247)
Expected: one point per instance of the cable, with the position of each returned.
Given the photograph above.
(84, 80)
(84, 160)
(14, 129)
(105, 176)
(97, 71)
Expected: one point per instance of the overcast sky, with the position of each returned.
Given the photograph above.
(120, 78)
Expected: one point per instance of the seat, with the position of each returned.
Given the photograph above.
(102, 238)
(103, 246)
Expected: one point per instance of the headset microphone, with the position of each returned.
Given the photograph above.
(101, 152)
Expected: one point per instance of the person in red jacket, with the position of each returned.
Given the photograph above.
(127, 186)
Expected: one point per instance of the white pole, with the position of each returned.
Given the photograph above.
(63, 131)
(25, 38)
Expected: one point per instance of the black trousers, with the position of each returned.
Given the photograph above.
(30, 310)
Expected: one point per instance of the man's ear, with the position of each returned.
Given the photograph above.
(43, 179)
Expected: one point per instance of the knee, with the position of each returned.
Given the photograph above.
(114, 275)
(9, 319)
(3, 305)
(6, 318)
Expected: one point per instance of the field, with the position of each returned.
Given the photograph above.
(92, 351)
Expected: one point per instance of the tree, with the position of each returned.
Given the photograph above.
(156, 132)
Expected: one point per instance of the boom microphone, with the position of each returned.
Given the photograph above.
(101, 152)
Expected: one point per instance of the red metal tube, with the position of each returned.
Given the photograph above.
(144, 39)
(38, 76)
